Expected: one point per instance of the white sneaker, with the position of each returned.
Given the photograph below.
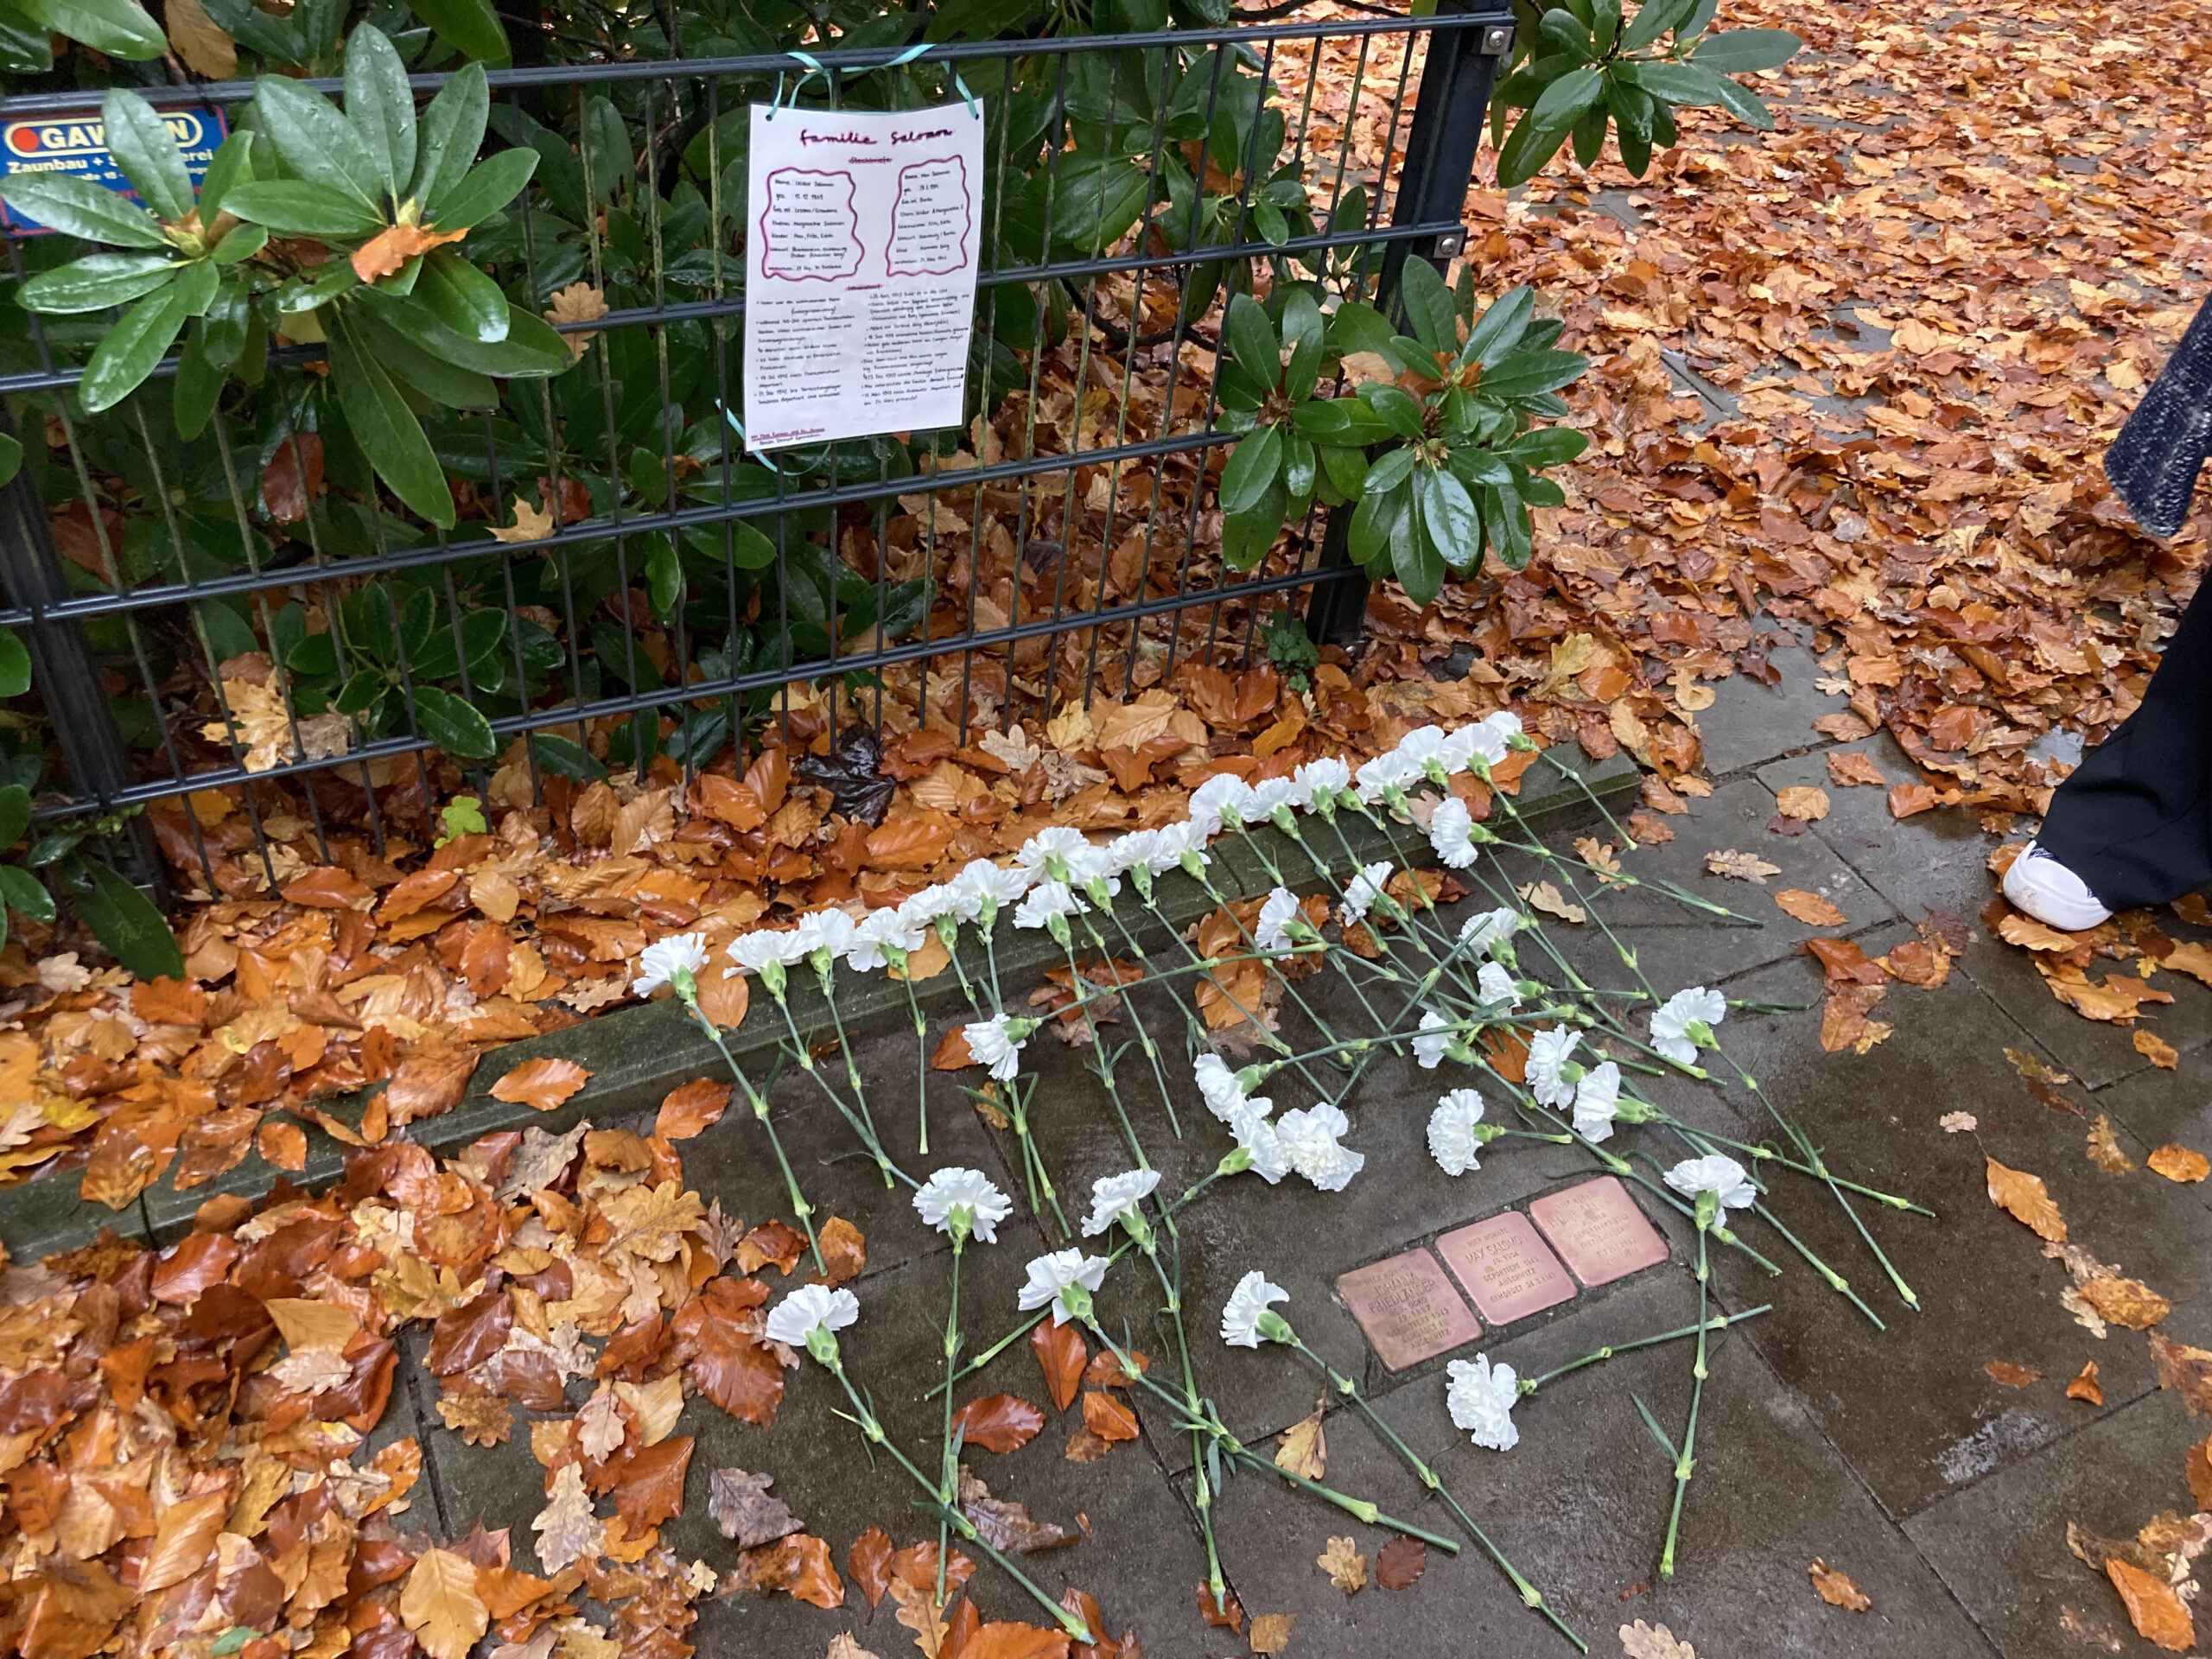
(2051, 892)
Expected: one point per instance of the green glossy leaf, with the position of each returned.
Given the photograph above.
(1525, 152)
(243, 242)
(462, 297)
(11, 459)
(470, 27)
(664, 578)
(128, 351)
(1346, 468)
(232, 165)
(451, 133)
(977, 20)
(1415, 558)
(1498, 330)
(198, 387)
(1524, 374)
(1305, 334)
(124, 920)
(15, 677)
(1564, 33)
(383, 426)
(1745, 51)
(1388, 471)
(1566, 100)
(1448, 514)
(97, 282)
(1299, 467)
(455, 727)
(380, 106)
(564, 757)
(25, 49)
(195, 286)
(21, 890)
(119, 28)
(1653, 19)
(1682, 84)
(318, 144)
(532, 347)
(1253, 465)
(76, 208)
(1744, 105)
(296, 207)
(488, 186)
(1251, 340)
(147, 152)
(435, 377)
(1548, 446)
(1428, 305)
(1400, 412)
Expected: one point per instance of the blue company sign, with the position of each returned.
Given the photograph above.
(76, 145)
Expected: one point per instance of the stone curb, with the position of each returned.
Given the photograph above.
(636, 1055)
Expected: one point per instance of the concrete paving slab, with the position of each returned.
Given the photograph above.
(1750, 724)
(2001, 1545)
(2167, 1108)
(1988, 1291)
(1580, 1507)
(1937, 861)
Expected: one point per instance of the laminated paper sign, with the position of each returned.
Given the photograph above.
(859, 298)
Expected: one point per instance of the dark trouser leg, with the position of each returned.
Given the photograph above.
(2135, 819)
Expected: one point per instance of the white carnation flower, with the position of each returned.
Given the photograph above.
(970, 1191)
(1480, 932)
(1064, 1280)
(1437, 1035)
(1210, 800)
(988, 884)
(1118, 1197)
(1271, 931)
(811, 1308)
(995, 1043)
(1257, 1136)
(824, 930)
(754, 951)
(1325, 779)
(1496, 984)
(1671, 1027)
(1451, 832)
(1452, 1139)
(1224, 1094)
(1045, 900)
(1058, 842)
(1363, 890)
(1716, 1173)
(1265, 795)
(1481, 1396)
(881, 931)
(1240, 1319)
(1310, 1137)
(660, 963)
(1598, 1101)
(1548, 1052)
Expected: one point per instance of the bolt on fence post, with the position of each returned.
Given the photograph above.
(63, 670)
(1447, 131)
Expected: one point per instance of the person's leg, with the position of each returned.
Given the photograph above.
(2134, 821)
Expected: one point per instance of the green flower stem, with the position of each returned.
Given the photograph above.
(1275, 874)
(1136, 1016)
(860, 1127)
(753, 1098)
(921, 1064)
(827, 973)
(1252, 946)
(1172, 1288)
(1686, 1458)
(874, 1430)
(1528, 1385)
(1103, 1066)
(1032, 1161)
(948, 1473)
(1212, 1427)
(1811, 1155)
(1530, 1596)
(1114, 1255)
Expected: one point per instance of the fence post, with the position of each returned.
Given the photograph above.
(63, 672)
(1447, 131)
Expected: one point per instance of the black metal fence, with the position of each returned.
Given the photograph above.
(203, 616)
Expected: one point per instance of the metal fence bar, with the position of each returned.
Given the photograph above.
(578, 596)
(1455, 87)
